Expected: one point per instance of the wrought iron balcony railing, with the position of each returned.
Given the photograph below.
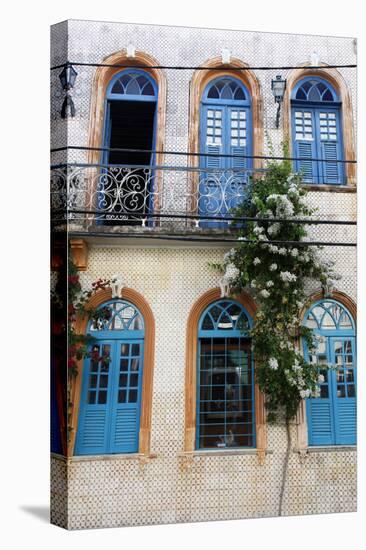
(88, 195)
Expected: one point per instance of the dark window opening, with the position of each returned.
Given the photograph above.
(130, 125)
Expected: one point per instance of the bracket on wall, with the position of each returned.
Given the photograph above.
(303, 454)
(79, 253)
(187, 461)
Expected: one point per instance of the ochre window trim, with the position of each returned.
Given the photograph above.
(191, 373)
(337, 81)
(147, 382)
(102, 77)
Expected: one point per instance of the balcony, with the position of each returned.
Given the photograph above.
(118, 198)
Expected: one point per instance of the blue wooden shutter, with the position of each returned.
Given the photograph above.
(319, 411)
(344, 390)
(329, 146)
(212, 137)
(320, 421)
(125, 422)
(238, 143)
(303, 130)
(212, 141)
(92, 436)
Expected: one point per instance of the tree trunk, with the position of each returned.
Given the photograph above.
(285, 467)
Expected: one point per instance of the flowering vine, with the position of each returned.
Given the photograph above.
(276, 274)
(68, 301)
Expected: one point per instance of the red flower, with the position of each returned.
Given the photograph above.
(73, 279)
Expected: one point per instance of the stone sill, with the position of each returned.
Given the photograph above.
(331, 188)
(93, 458)
(223, 452)
(327, 449)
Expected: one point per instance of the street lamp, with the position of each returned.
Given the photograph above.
(278, 89)
(67, 78)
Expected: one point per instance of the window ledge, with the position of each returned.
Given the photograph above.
(327, 449)
(332, 188)
(86, 458)
(224, 452)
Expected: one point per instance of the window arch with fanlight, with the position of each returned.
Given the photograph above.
(331, 417)
(109, 413)
(225, 378)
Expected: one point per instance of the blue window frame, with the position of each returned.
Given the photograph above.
(225, 378)
(332, 416)
(225, 128)
(109, 416)
(317, 131)
(129, 124)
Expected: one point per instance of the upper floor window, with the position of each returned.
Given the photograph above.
(109, 415)
(225, 390)
(317, 131)
(225, 129)
(130, 113)
(126, 188)
(332, 416)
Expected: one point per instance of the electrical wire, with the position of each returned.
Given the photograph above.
(189, 154)
(194, 68)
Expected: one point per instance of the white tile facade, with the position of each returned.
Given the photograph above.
(118, 491)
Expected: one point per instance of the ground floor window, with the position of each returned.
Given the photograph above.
(109, 416)
(332, 416)
(225, 392)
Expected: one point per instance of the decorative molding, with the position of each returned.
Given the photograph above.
(191, 368)
(81, 325)
(79, 253)
(336, 79)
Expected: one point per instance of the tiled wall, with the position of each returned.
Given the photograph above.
(118, 491)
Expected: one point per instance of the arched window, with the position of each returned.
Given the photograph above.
(225, 129)
(332, 416)
(317, 131)
(225, 392)
(109, 414)
(128, 139)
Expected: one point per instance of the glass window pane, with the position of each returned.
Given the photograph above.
(102, 397)
(132, 396)
(91, 397)
(122, 396)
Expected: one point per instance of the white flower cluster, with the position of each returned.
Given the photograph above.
(295, 377)
(283, 205)
(231, 272)
(287, 277)
(229, 256)
(256, 261)
(273, 363)
(273, 267)
(264, 293)
(274, 229)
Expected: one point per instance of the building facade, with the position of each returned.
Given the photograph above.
(150, 166)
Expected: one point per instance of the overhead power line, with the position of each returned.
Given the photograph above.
(188, 154)
(195, 68)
